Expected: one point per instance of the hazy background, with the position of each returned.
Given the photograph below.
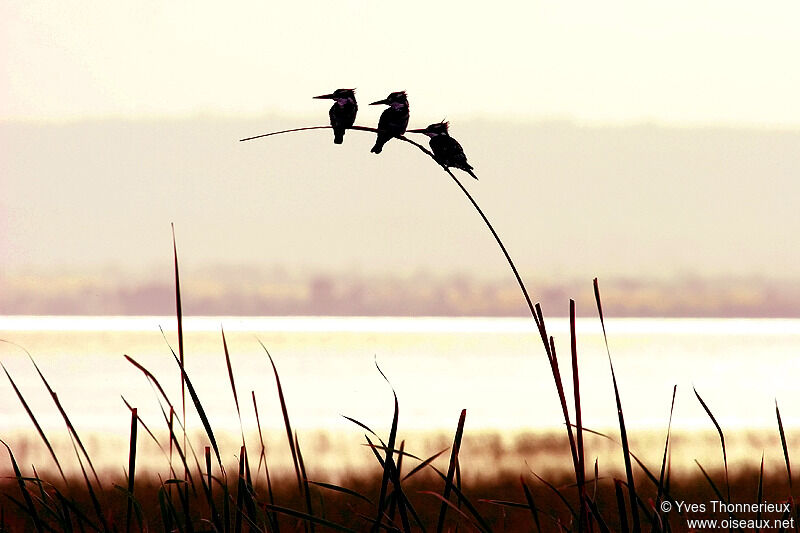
(656, 147)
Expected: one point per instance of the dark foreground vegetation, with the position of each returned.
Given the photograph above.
(200, 491)
(503, 505)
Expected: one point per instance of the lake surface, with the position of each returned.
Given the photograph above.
(496, 368)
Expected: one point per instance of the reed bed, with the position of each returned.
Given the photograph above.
(201, 490)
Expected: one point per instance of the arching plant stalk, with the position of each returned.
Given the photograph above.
(511, 264)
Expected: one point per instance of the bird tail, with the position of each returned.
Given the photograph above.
(471, 173)
(378, 148)
(338, 137)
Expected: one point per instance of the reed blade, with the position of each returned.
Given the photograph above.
(209, 490)
(760, 491)
(233, 382)
(623, 432)
(711, 482)
(424, 463)
(306, 488)
(308, 518)
(531, 504)
(580, 468)
(659, 493)
(200, 411)
(623, 513)
(179, 316)
(448, 485)
(343, 490)
(68, 422)
(36, 425)
(29, 507)
(131, 468)
(388, 462)
(450, 505)
(721, 440)
(783, 445)
(558, 493)
(240, 490)
(273, 517)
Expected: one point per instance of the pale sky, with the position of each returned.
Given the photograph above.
(680, 62)
(661, 158)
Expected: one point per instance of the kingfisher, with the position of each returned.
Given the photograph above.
(343, 111)
(393, 121)
(446, 149)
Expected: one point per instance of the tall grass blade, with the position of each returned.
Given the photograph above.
(424, 463)
(200, 411)
(448, 486)
(131, 468)
(174, 444)
(721, 440)
(343, 490)
(650, 476)
(67, 421)
(463, 500)
(36, 424)
(362, 425)
(308, 518)
(448, 504)
(580, 468)
(95, 502)
(713, 485)
(573, 514)
(388, 462)
(760, 491)
(783, 445)
(396, 474)
(623, 513)
(402, 502)
(151, 378)
(623, 432)
(69, 505)
(179, 316)
(169, 420)
(659, 493)
(29, 507)
(48, 504)
(531, 504)
(306, 488)
(601, 523)
(240, 490)
(169, 515)
(233, 383)
(286, 421)
(209, 489)
(66, 509)
(563, 400)
(273, 518)
(140, 422)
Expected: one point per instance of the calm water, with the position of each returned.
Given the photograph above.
(496, 368)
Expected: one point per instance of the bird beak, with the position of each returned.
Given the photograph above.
(325, 96)
(384, 101)
(423, 130)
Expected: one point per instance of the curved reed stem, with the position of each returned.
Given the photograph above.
(460, 186)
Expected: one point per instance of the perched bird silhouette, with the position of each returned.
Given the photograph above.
(446, 149)
(393, 121)
(343, 111)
